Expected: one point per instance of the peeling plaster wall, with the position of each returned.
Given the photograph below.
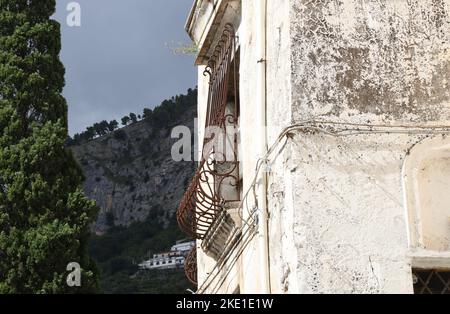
(283, 255)
(377, 59)
(349, 224)
(369, 61)
(337, 210)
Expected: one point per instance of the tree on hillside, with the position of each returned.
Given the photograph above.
(104, 128)
(113, 125)
(100, 128)
(89, 134)
(44, 216)
(133, 117)
(147, 113)
(125, 120)
(159, 117)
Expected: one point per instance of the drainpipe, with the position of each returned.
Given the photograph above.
(261, 103)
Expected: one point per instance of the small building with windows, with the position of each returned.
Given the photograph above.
(173, 259)
(325, 147)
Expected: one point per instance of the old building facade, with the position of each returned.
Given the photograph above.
(334, 175)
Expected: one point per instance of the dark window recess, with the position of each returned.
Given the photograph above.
(431, 281)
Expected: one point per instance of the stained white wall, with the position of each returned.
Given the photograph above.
(373, 62)
(339, 218)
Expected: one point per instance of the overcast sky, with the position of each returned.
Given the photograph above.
(119, 60)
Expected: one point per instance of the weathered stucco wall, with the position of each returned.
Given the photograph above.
(338, 206)
(250, 280)
(384, 62)
(245, 272)
(427, 190)
(281, 245)
(283, 255)
(372, 59)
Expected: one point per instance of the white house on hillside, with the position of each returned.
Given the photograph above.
(169, 260)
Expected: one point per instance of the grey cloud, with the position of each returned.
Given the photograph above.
(119, 61)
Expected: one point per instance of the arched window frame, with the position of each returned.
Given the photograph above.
(421, 257)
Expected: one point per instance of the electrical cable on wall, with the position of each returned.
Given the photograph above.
(331, 128)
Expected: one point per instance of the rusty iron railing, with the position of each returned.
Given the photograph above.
(190, 266)
(217, 179)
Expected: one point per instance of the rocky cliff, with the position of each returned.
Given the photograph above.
(130, 172)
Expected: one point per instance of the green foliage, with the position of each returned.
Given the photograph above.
(98, 129)
(101, 128)
(148, 282)
(116, 251)
(44, 216)
(147, 113)
(113, 125)
(133, 118)
(185, 49)
(125, 120)
(136, 240)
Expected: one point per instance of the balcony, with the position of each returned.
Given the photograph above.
(202, 213)
(190, 266)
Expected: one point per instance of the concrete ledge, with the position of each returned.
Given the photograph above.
(425, 259)
(207, 20)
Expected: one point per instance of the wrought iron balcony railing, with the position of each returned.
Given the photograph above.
(217, 179)
(190, 266)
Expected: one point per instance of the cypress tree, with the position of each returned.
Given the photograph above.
(44, 215)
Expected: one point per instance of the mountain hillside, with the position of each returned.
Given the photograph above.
(130, 172)
(137, 185)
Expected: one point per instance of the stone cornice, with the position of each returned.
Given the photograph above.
(206, 20)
